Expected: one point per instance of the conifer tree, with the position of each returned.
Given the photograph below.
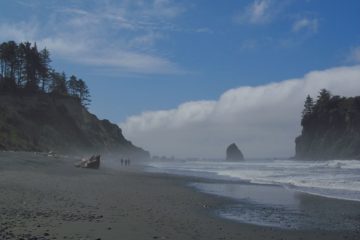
(308, 106)
(24, 68)
(73, 86)
(324, 96)
(84, 93)
(58, 85)
(44, 66)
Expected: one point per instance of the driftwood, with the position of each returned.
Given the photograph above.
(93, 162)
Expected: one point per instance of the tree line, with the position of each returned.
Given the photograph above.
(331, 108)
(25, 68)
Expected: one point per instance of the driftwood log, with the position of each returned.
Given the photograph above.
(93, 162)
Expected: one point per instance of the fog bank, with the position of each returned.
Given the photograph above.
(262, 120)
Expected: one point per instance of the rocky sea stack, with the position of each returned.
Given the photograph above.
(233, 153)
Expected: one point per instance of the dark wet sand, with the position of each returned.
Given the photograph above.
(47, 198)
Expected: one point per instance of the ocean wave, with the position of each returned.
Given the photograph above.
(334, 178)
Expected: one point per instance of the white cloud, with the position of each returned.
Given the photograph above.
(165, 8)
(131, 62)
(263, 120)
(259, 12)
(306, 24)
(120, 60)
(118, 35)
(18, 31)
(354, 55)
(148, 39)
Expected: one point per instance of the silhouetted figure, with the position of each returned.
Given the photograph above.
(122, 162)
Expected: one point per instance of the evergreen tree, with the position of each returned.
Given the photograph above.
(32, 61)
(11, 59)
(58, 85)
(324, 97)
(20, 70)
(8, 58)
(23, 66)
(73, 86)
(44, 68)
(84, 93)
(308, 106)
(3, 59)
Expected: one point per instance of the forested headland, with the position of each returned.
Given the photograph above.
(26, 69)
(44, 110)
(331, 128)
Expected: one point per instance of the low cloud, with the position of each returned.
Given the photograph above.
(262, 120)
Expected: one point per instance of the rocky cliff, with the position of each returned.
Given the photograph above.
(331, 128)
(45, 122)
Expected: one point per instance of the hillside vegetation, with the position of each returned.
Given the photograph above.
(331, 128)
(43, 110)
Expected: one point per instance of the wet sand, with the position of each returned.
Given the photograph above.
(48, 198)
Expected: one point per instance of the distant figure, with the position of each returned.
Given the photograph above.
(122, 162)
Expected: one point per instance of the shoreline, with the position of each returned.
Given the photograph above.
(337, 179)
(48, 198)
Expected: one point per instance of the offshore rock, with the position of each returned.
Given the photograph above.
(233, 153)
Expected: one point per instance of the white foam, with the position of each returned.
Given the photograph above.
(335, 178)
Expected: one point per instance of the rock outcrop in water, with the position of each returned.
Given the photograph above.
(331, 128)
(44, 122)
(233, 153)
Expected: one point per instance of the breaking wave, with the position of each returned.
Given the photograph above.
(336, 178)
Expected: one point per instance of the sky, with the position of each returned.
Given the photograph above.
(187, 78)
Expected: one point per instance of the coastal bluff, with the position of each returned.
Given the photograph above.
(233, 153)
(330, 128)
(48, 122)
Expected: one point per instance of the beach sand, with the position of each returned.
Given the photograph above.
(48, 198)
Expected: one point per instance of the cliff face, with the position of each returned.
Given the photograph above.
(43, 122)
(331, 129)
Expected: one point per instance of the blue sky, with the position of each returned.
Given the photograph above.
(149, 55)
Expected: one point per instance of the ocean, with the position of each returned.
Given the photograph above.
(279, 193)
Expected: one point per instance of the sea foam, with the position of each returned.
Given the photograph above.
(336, 178)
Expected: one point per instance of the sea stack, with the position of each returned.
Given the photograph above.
(233, 153)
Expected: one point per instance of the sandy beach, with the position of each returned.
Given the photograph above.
(48, 198)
